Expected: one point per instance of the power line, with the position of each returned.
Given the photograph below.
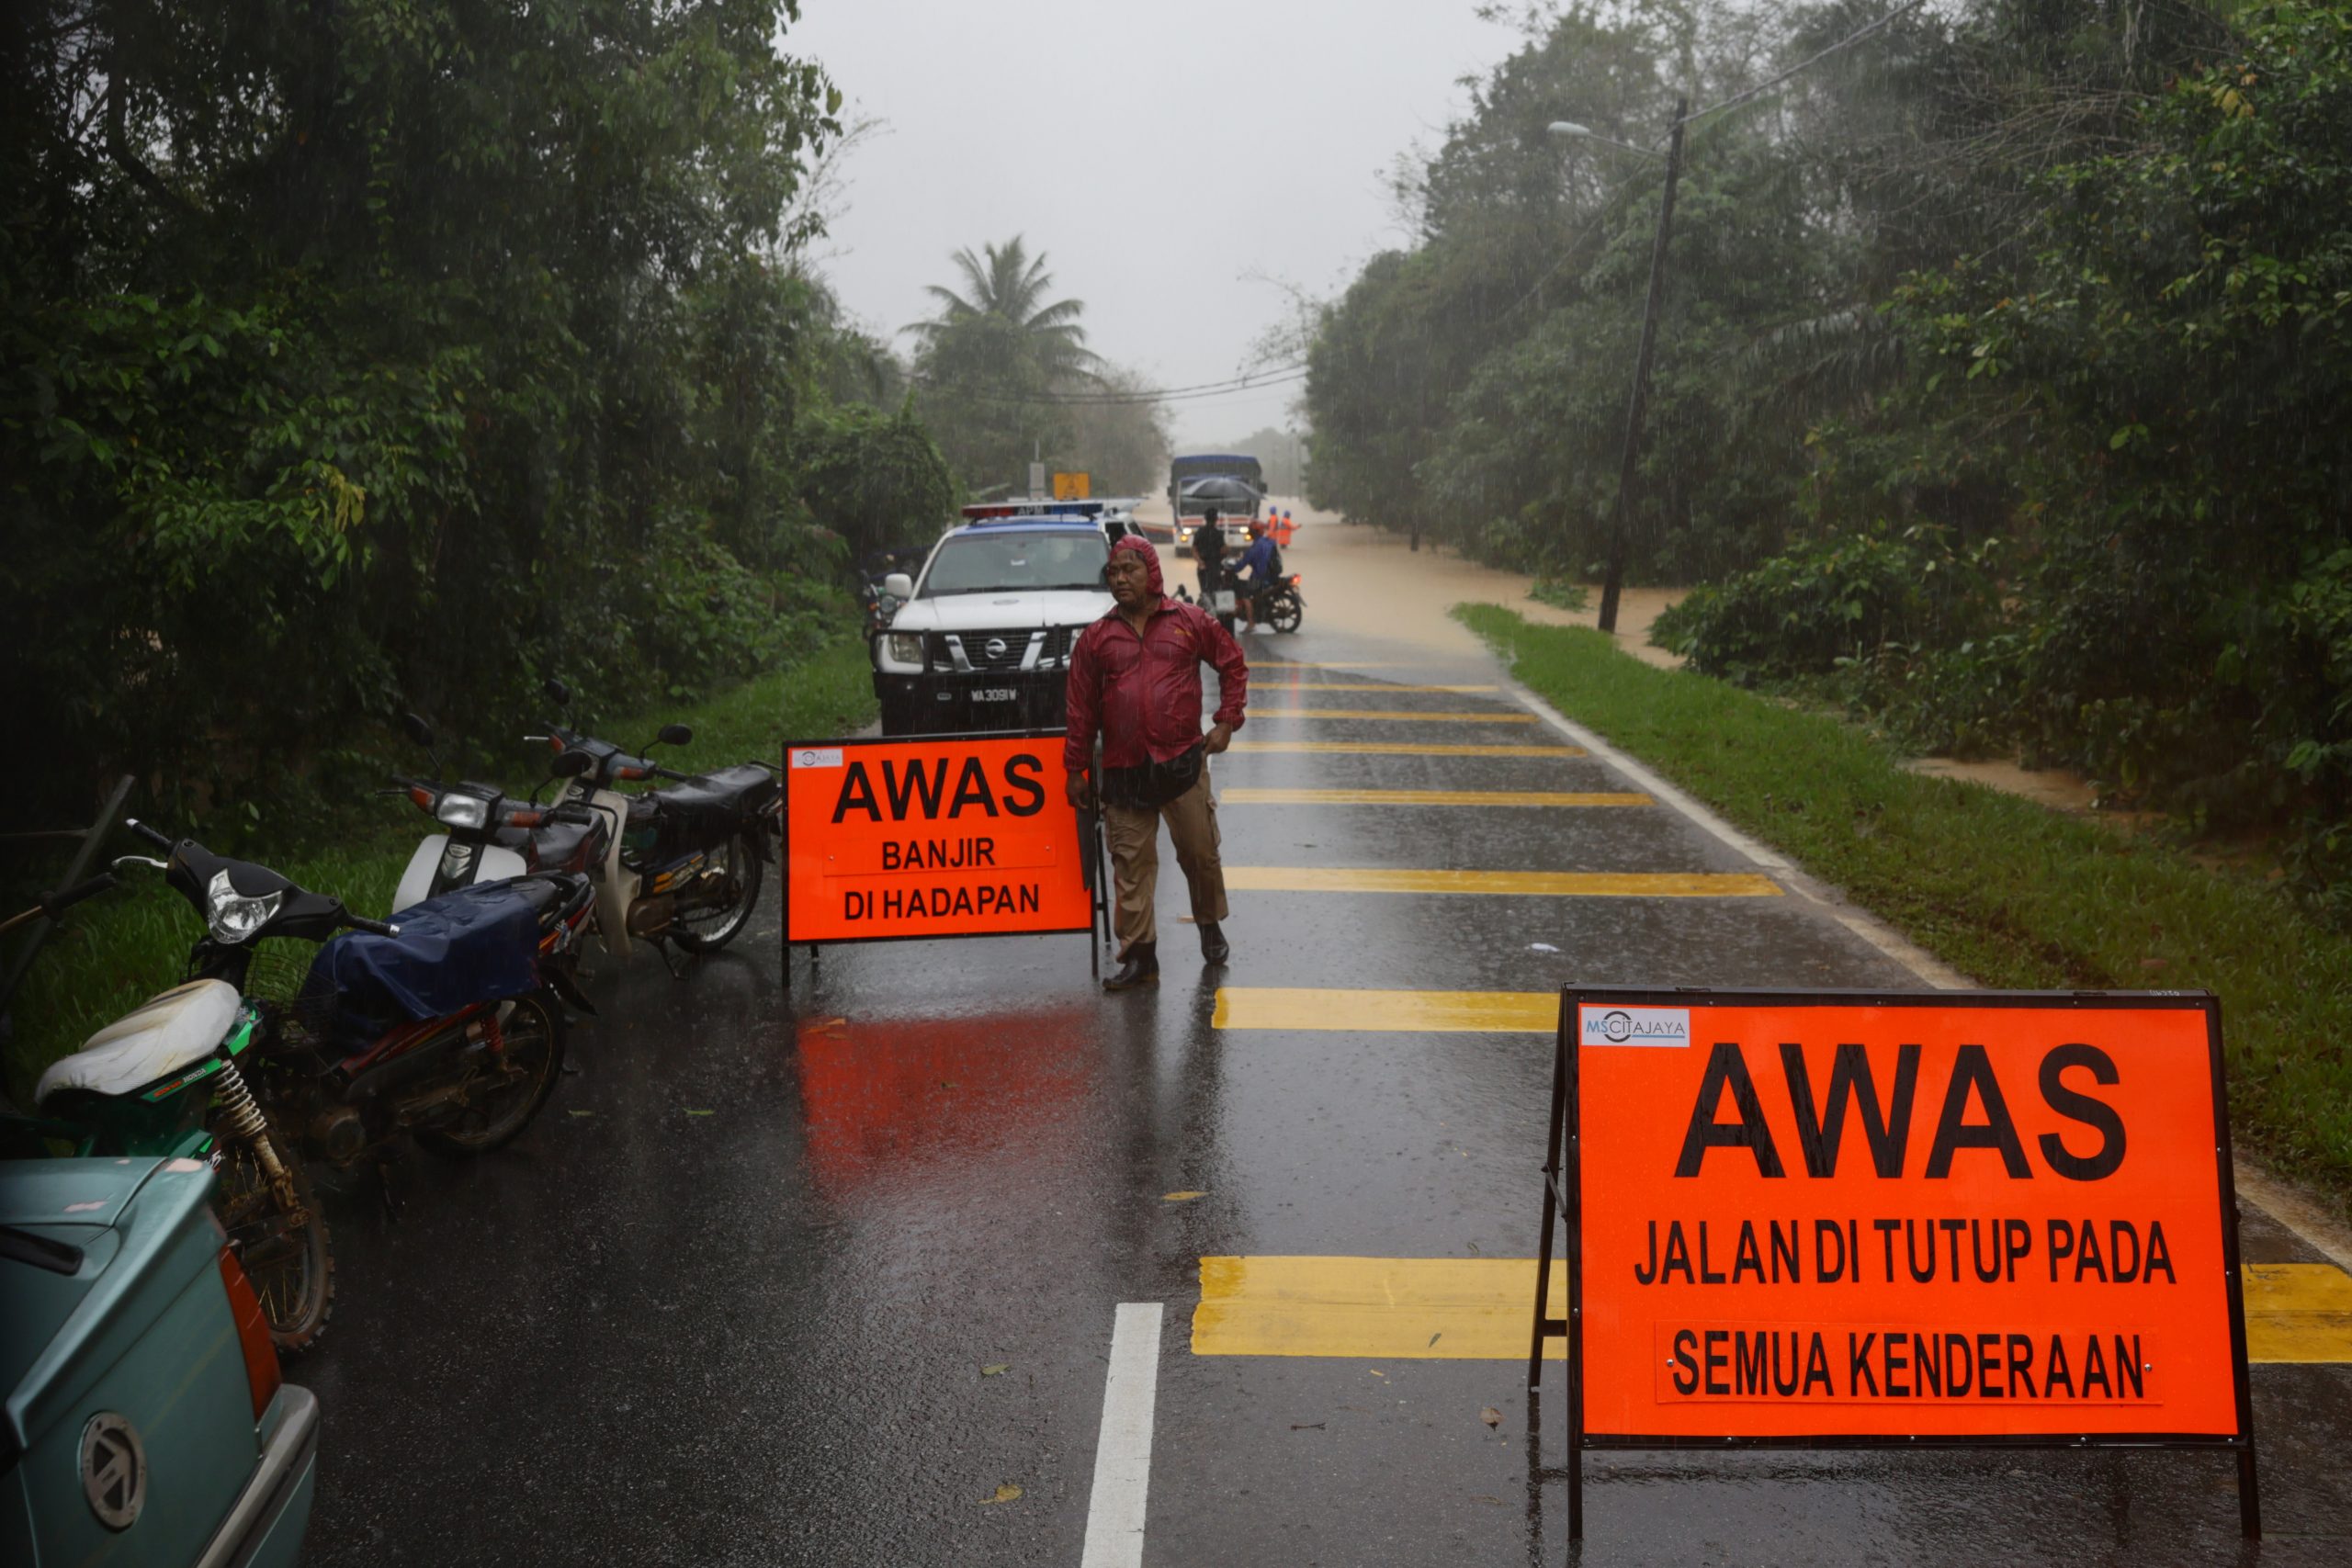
(1272, 376)
(1067, 399)
(1732, 102)
(1847, 42)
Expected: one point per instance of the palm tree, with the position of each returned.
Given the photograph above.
(1007, 287)
(990, 362)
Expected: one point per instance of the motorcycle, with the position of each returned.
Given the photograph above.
(684, 863)
(168, 1079)
(449, 1025)
(1282, 604)
(490, 837)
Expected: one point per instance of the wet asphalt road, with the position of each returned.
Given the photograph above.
(736, 1297)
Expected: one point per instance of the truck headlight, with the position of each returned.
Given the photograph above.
(231, 915)
(463, 812)
(906, 647)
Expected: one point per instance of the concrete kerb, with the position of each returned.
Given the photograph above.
(2309, 1221)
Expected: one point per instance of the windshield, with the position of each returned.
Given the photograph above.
(1022, 562)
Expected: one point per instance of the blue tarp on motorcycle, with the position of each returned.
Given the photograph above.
(476, 944)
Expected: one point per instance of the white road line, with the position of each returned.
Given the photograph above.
(1123, 1456)
(1926, 965)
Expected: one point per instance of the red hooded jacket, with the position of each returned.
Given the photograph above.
(1143, 693)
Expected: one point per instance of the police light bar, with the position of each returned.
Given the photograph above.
(998, 510)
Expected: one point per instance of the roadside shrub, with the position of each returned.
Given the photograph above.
(1831, 603)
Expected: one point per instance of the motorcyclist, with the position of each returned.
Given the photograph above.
(1264, 564)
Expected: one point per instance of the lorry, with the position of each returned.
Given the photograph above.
(1231, 484)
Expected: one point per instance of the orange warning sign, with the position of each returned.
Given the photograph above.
(967, 836)
(1798, 1217)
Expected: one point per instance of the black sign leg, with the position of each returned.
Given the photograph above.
(2249, 1496)
(1542, 1326)
(1576, 1472)
(784, 877)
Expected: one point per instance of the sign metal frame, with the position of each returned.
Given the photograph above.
(1563, 1213)
(1090, 846)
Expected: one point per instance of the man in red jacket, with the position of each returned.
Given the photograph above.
(1135, 677)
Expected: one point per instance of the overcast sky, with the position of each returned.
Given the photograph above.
(1156, 152)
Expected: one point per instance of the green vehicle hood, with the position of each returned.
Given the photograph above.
(95, 1208)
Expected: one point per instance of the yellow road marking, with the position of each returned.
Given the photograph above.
(1300, 1007)
(1423, 797)
(1384, 714)
(1442, 1309)
(2297, 1312)
(1526, 883)
(1479, 1309)
(1291, 687)
(1403, 749)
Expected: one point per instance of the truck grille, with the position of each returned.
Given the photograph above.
(999, 652)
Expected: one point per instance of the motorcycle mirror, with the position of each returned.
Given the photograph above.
(558, 691)
(675, 734)
(417, 730)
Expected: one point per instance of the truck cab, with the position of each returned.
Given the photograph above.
(1231, 484)
(982, 638)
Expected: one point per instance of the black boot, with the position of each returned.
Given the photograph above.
(1215, 949)
(1140, 967)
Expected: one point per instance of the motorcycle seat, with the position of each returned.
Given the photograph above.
(471, 944)
(720, 802)
(170, 1031)
(568, 846)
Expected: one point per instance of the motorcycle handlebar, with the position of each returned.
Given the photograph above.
(141, 829)
(373, 928)
(57, 903)
(670, 773)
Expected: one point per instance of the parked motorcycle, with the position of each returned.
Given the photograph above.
(489, 836)
(449, 1025)
(168, 1079)
(685, 863)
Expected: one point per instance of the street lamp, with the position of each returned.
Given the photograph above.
(1613, 581)
(1569, 128)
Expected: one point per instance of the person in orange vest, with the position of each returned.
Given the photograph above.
(1282, 527)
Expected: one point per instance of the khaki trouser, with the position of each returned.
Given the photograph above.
(1133, 835)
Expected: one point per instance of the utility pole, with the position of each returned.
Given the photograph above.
(1614, 580)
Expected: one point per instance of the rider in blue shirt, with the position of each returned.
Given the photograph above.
(1264, 564)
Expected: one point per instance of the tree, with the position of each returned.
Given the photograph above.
(997, 360)
(355, 358)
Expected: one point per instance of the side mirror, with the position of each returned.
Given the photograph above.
(675, 734)
(557, 690)
(572, 764)
(416, 730)
(899, 586)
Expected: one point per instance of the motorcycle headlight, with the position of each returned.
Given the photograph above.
(906, 647)
(231, 915)
(463, 812)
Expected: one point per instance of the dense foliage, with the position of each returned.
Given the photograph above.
(398, 352)
(2001, 378)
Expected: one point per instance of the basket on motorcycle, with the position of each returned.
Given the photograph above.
(713, 805)
(474, 944)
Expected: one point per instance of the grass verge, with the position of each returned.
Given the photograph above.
(2010, 893)
(115, 951)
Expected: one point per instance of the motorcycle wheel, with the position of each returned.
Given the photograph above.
(1285, 613)
(713, 927)
(507, 1100)
(292, 1269)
